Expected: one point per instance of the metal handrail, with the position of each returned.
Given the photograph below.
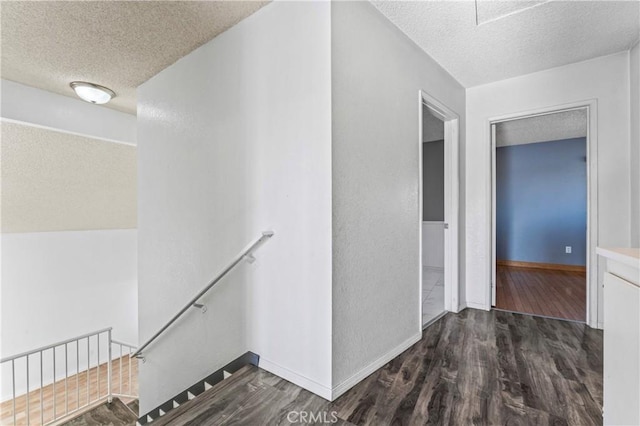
(44, 348)
(193, 302)
(119, 342)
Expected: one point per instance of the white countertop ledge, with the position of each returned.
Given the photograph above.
(627, 256)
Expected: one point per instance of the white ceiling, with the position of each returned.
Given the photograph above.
(122, 44)
(514, 37)
(543, 128)
(118, 44)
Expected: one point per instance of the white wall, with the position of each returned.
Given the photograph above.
(235, 139)
(604, 79)
(59, 285)
(64, 284)
(377, 73)
(634, 151)
(56, 181)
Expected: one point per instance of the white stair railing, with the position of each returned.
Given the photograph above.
(127, 388)
(88, 364)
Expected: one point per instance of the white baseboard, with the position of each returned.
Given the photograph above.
(475, 305)
(295, 378)
(360, 375)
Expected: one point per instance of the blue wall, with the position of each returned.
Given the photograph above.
(541, 202)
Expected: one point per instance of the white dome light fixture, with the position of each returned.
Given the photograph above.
(93, 93)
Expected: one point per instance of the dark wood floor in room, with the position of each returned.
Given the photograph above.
(557, 294)
(476, 367)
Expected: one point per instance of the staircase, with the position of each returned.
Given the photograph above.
(216, 377)
(208, 408)
(93, 378)
(184, 398)
(252, 396)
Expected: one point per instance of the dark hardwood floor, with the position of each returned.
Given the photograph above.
(114, 413)
(557, 294)
(476, 367)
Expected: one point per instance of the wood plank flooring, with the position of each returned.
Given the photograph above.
(476, 367)
(551, 293)
(77, 393)
(114, 413)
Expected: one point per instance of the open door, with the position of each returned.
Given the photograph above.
(540, 214)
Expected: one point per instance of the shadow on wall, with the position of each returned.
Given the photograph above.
(541, 202)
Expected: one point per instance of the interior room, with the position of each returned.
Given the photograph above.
(320, 212)
(541, 189)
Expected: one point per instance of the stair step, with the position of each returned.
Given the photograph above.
(238, 379)
(206, 385)
(135, 407)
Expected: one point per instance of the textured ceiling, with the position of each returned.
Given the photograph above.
(118, 44)
(543, 128)
(514, 37)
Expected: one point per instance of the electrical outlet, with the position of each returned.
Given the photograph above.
(567, 249)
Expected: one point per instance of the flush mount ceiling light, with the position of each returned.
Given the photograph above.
(93, 93)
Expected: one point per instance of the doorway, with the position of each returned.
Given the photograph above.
(438, 209)
(433, 223)
(540, 190)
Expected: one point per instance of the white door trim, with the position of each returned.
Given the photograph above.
(494, 272)
(451, 202)
(594, 291)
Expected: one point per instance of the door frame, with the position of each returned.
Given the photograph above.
(594, 291)
(451, 198)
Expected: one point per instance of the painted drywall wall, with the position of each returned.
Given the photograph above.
(58, 285)
(377, 73)
(541, 202)
(89, 283)
(56, 181)
(235, 139)
(39, 107)
(60, 276)
(602, 79)
(634, 147)
(433, 181)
